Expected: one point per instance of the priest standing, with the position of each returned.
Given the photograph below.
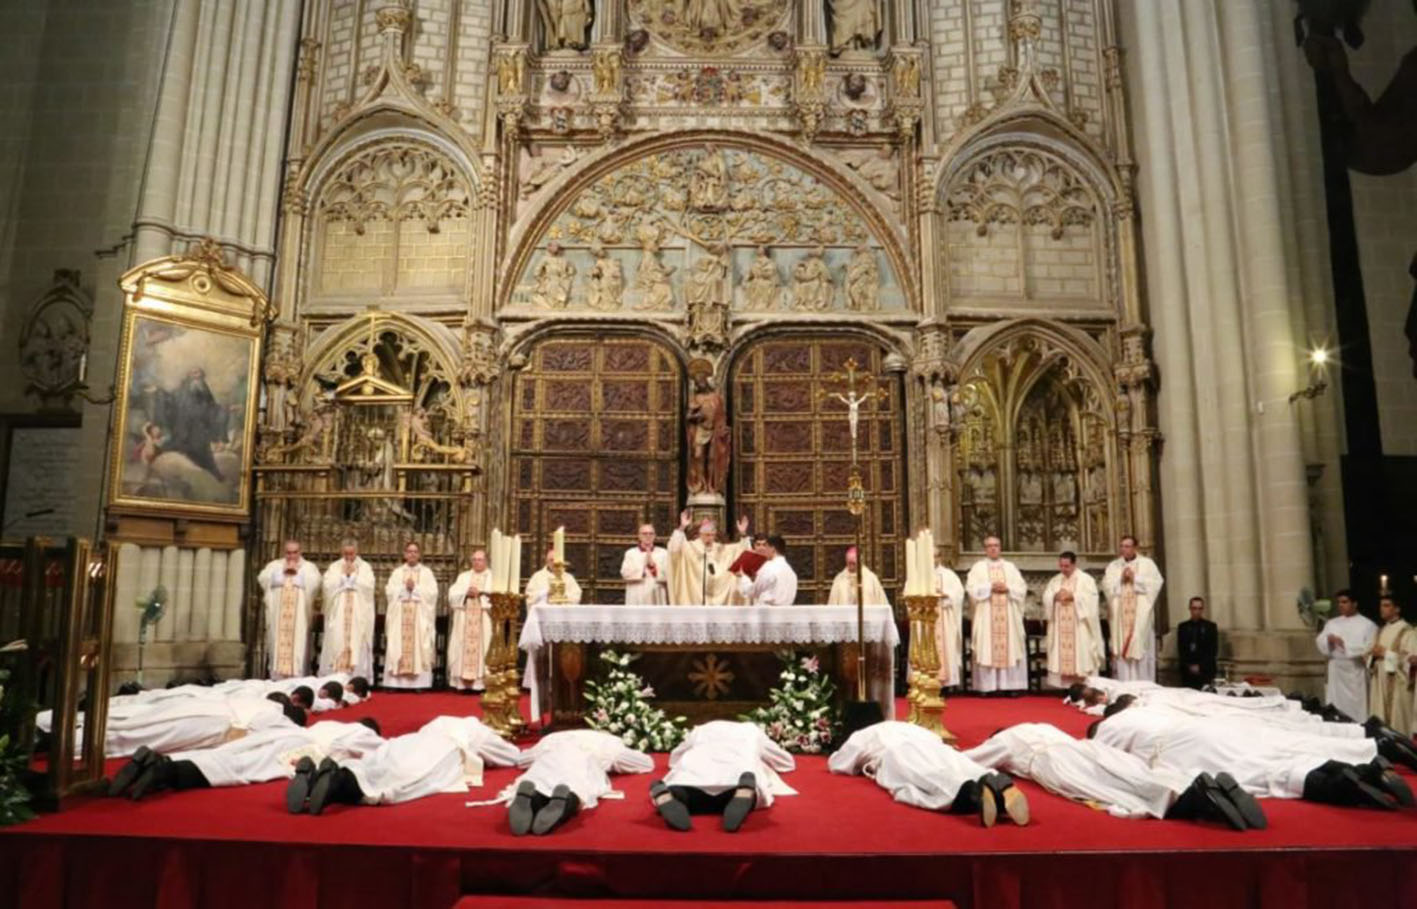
(997, 591)
(1132, 584)
(290, 584)
(470, 633)
(1389, 679)
(1345, 640)
(1074, 641)
(949, 630)
(843, 592)
(645, 569)
(538, 586)
(349, 615)
(411, 607)
(703, 563)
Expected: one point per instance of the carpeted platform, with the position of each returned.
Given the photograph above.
(840, 839)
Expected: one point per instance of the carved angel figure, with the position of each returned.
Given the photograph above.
(554, 277)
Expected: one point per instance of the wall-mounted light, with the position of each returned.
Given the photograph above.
(1318, 376)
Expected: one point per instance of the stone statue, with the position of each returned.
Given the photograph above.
(652, 280)
(606, 71)
(854, 24)
(710, 15)
(509, 74)
(906, 76)
(607, 280)
(705, 301)
(863, 281)
(708, 184)
(565, 22)
(812, 282)
(707, 433)
(554, 277)
(762, 287)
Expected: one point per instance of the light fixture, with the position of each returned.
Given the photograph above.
(1318, 376)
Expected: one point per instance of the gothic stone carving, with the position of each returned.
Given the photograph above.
(716, 27)
(1013, 185)
(55, 341)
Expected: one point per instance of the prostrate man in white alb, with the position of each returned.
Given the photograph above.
(349, 615)
(1074, 642)
(1120, 783)
(566, 772)
(997, 591)
(645, 569)
(843, 592)
(538, 586)
(1132, 583)
(290, 585)
(916, 768)
(1390, 678)
(776, 582)
(470, 632)
(1346, 640)
(949, 630)
(184, 724)
(698, 568)
(411, 609)
(721, 767)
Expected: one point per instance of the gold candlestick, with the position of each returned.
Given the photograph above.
(927, 707)
(501, 705)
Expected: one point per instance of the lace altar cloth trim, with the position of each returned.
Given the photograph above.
(704, 625)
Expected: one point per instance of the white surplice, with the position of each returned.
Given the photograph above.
(843, 592)
(272, 754)
(688, 570)
(775, 584)
(289, 599)
(1131, 617)
(582, 759)
(641, 587)
(908, 761)
(186, 724)
(996, 626)
(538, 587)
(470, 632)
(446, 755)
(1074, 642)
(949, 630)
(349, 619)
(714, 755)
(408, 658)
(1347, 687)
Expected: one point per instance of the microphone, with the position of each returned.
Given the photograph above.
(712, 569)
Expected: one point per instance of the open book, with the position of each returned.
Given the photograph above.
(748, 563)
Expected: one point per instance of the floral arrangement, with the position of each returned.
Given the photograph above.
(619, 705)
(14, 795)
(803, 716)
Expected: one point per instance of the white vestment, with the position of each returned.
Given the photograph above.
(949, 631)
(1390, 676)
(349, 619)
(714, 755)
(688, 570)
(186, 724)
(843, 592)
(582, 759)
(641, 587)
(775, 584)
(446, 755)
(1267, 760)
(1132, 616)
(538, 587)
(409, 627)
(470, 633)
(1074, 642)
(289, 599)
(272, 754)
(1084, 770)
(1347, 687)
(908, 761)
(996, 626)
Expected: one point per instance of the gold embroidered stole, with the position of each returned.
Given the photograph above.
(472, 637)
(285, 627)
(408, 629)
(1129, 611)
(1067, 619)
(998, 618)
(345, 661)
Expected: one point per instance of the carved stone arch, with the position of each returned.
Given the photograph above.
(336, 351)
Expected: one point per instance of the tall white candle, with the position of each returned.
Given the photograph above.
(494, 549)
(912, 570)
(559, 543)
(516, 572)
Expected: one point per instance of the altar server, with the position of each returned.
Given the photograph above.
(1074, 642)
(645, 569)
(411, 600)
(916, 768)
(1346, 640)
(538, 587)
(1132, 583)
(698, 568)
(843, 592)
(997, 591)
(187, 723)
(349, 615)
(290, 585)
(775, 583)
(721, 767)
(470, 634)
(566, 772)
(1390, 679)
(949, 630)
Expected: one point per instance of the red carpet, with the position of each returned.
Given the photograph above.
(841, 839)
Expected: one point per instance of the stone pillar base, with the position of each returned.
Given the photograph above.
(707, 505)
(1288, 658)
(164, 661)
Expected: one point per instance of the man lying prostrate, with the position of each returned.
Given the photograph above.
(721, 767)
(916, 768)
(190, 723)
(270, 754)
(1121, 783)
(565, 772)
(1268, 760)
(446, 755)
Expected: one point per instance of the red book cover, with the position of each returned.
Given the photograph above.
(748, 563)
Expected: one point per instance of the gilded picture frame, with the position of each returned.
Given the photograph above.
(187, 389)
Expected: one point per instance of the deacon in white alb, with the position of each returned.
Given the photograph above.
(538, 587)
(997, 590)
(1133, 585)
(776, 582)
(645, 569)
(411, 601)
(1074, 642)
(184, 724)
(470, 634)
(349, 615)
(721, 767)
(1346, 640)
(843, 592)
(565, 772)
(701, 564)
(290, 586)
(949, 631)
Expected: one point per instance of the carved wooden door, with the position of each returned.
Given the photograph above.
(792, 457)
(595, 448)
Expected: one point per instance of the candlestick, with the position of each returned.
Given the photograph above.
(559, 543)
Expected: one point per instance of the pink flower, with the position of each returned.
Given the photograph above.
(810, 664)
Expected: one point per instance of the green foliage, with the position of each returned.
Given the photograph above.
(619, 704)
(14, 796)
(803, 716)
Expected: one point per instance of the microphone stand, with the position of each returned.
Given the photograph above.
(703, 578)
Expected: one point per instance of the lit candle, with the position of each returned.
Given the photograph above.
(558, 542)
(1382, 583)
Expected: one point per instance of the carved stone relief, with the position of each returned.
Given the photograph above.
(55, 341)
(719, 27)
(396, 182)
(1020, 186)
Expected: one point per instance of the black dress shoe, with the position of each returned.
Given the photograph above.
(1205, 800)
(1362, 793)
(674, 812)
(153, 778)
(322, 789)
(128, 774)
(1380, 775)
(560, 808)
(1008, 798)
(744, 800)
(522, 810)
(299, 789)
(1246, 804)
